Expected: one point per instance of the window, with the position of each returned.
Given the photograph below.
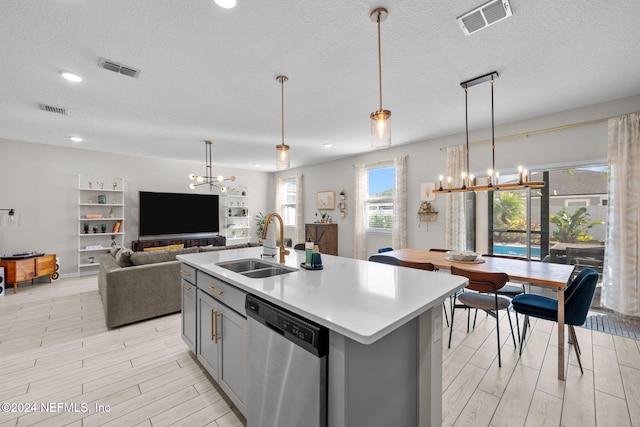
(379, 204)
(288, 199)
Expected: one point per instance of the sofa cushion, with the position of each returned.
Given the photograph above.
(123, 257)
(142, 258)
(163, 248)
(211, 248)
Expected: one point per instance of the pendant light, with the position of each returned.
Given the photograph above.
(381, 118)
(282, 153)
(208, 178)
(468, 182)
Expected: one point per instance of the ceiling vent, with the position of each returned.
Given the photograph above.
(483, 16)
(118, 68)
(52, 109)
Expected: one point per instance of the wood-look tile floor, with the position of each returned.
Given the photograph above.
(55, 350)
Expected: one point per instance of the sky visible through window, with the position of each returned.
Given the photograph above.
(380, 180)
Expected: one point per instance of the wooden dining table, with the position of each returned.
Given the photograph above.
(542, 274)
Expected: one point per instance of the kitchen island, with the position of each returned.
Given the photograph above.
(385, 330)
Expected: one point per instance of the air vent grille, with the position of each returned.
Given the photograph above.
(119, 68)
(484, 16)
(52, 109)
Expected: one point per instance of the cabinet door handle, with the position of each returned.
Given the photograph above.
(215, 336)
(184, 273)
(185, 286)
(217, 291)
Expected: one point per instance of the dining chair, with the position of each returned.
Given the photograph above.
(577, 301)
(299, 247)
(409, 264)
(484, 287)
(510, 290)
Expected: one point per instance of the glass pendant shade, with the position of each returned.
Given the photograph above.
(282, 157)
(381, 129)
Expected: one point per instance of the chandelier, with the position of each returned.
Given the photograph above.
(208, 178)
(468, 181)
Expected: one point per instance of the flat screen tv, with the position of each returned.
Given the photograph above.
(178, 213)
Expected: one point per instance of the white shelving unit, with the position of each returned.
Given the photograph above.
(236, 226)
(100, 209)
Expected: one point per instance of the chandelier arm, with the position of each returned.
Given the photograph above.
(466, 126)
(493, 136)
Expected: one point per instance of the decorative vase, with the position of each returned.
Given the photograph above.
(112, 213)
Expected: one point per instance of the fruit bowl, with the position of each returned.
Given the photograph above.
(466, 256)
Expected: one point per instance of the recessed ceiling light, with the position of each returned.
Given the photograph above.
(226, 4)
(75, 138)
(71, 76)
(256, 165)
(327, 145)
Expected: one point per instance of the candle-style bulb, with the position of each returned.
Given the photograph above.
(497, 178)
(441, 182)
(449, 181)
(525, 175)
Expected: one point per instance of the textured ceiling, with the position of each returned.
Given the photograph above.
(209, 73)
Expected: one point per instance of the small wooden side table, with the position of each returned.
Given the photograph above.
(21, 269)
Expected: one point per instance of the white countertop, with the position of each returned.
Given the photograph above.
(361, 300)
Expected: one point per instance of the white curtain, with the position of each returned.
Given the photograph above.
(454, 227)
(359, 198)
(621, 283)
(399, 232)
(298, 236)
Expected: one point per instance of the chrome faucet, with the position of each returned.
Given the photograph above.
(267, 220)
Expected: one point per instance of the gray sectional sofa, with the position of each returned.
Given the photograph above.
(137, 286)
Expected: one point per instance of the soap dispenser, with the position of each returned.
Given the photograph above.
(308, 251)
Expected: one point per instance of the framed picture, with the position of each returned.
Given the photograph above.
(326, 200)
(426, 191)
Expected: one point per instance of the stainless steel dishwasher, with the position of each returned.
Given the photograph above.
(287, 374)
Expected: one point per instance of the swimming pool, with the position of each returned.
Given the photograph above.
(516, 250)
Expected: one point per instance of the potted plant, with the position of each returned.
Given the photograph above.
(260, 224)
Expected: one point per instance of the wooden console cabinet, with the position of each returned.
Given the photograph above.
(19, 270)
(323, 235)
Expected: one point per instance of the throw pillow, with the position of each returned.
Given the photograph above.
(143, 258)
(114, 250)
(123, 257)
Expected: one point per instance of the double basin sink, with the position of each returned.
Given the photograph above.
(255, 268)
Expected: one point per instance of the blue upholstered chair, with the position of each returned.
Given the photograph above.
(382, 250)
(577, 300)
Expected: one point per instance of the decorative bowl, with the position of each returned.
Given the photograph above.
(462, 255)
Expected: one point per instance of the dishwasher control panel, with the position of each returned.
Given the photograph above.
(303, 332)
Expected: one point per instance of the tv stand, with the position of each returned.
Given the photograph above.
(140, 245)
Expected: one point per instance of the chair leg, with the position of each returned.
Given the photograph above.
(572, 332)
(444, 309)
(511, 326)
(453, 312)
(524, 332)
(468, 316)
(498, 336)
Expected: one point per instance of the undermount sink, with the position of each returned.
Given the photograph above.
(255, 268)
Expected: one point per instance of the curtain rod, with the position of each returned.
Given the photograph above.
(375, 162)
(535, 132)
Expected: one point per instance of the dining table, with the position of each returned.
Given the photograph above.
(543, 274)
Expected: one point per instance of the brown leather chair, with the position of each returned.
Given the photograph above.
(481, 293)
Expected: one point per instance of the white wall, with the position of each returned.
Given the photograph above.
(41, 183)
(580, 145)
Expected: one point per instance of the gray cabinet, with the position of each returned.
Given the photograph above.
(187, 282)
(222, 336)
